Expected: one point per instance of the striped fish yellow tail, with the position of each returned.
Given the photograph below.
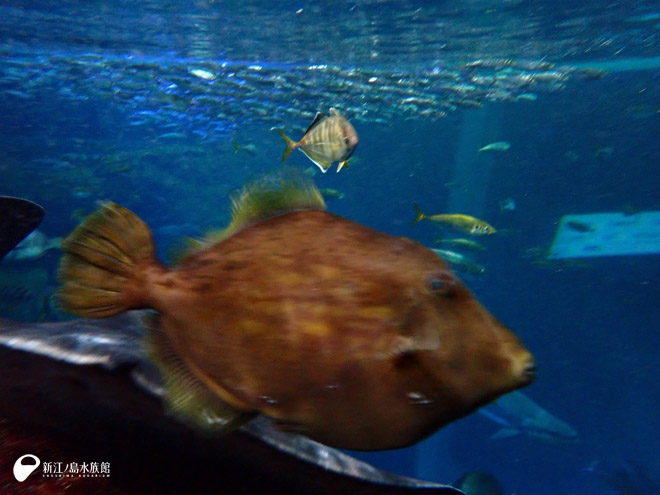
(420, 216)
(102, 270)
(290, 145)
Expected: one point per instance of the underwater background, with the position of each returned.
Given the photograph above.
(169, 107)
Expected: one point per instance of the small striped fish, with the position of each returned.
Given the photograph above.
(327, 140)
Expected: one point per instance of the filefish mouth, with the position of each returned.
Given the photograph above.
(524, 368)
(529, 371)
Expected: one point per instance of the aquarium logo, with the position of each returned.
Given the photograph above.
(28, 463)
(23, 469)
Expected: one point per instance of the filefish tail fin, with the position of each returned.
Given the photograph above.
(290, 145)
(420, 215)
(103, 266)
(342, 165)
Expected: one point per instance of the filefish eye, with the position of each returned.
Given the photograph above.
(442, 283)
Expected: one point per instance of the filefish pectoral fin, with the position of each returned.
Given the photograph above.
(342, 165)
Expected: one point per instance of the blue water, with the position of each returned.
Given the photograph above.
(100, 102)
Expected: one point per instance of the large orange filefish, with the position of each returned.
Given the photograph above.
(326, 140)
(350, 336)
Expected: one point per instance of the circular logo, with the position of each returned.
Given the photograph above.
(25, 465)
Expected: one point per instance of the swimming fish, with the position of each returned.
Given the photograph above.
(329, 193)
(497, 146)
(465, 223)
(581, 227)
(460, 262)
(326, 140)
(33, 246)
(461, 243)
(18, 217)
(517, 414)
(347, 335)
(507, 204)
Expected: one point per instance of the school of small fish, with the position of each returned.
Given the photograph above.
(206, 100)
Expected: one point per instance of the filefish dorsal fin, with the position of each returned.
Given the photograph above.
(272, 195)
(316, 120)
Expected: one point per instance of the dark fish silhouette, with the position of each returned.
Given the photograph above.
(18, 217)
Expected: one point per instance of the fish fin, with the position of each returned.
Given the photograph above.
(342, 165)
(272, 195)
(103, 261)
(187, 398)
(504, 433)
(324, 165)
(18, 217)
(290, 145)
(317, 119)
(420, 216)
(333, 112)
(54, 243)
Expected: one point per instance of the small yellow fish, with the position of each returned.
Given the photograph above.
(327, 140)
(466, 223)
(498, 146)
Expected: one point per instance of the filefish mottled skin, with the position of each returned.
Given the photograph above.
(327, 140)
(350, 336)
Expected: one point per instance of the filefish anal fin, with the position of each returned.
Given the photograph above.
(342, 165)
